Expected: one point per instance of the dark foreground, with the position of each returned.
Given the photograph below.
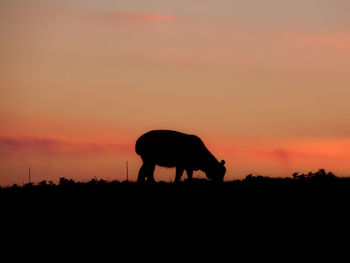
(254, 212)
(314, 186)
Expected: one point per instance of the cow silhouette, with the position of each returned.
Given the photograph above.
(175, 149)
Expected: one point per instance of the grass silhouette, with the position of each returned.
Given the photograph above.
(253, 204)
(318, 178)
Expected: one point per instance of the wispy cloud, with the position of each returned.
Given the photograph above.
(280, 155)
(10, 146)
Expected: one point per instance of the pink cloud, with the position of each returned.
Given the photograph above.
(288, 153)
(142, 16)
(124, 19)
(81, 14)
(322, 39)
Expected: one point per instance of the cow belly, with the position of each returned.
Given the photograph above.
(176, 160)
(166, 163)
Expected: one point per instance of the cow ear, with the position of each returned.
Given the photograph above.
(222, 162)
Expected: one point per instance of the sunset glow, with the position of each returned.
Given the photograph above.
(266, 86)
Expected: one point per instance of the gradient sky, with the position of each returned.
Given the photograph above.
(265, 84)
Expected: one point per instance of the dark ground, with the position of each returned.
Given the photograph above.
(254, 215)
(315, 187)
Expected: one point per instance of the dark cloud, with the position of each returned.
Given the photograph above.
(279, 155)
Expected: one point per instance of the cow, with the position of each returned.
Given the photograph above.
(169, 148)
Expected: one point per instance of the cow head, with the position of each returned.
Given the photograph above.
(216, 173)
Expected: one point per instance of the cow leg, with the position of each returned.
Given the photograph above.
(146, 171)
(150, 173)
(142, 174)
(189, 174)
(179, 172)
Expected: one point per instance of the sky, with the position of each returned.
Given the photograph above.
(265, 84)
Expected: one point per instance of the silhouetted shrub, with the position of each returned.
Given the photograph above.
(315, 177)
(42, 183)
(320, 177)
(66, 182)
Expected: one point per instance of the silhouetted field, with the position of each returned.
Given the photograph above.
(251, 205)
(313, 180)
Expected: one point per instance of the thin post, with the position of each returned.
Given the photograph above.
(29, 175)
(127, 172)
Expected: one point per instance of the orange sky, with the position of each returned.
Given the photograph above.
(265, 86)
